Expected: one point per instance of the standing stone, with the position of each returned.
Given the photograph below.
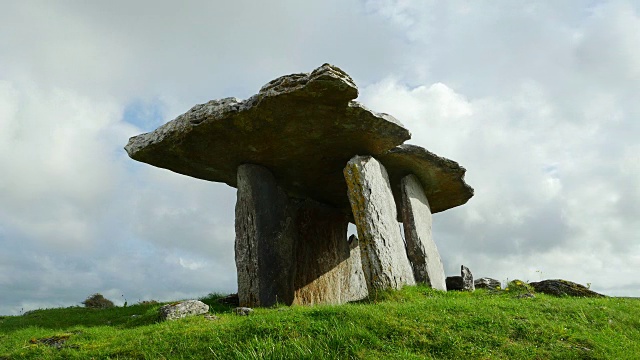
(421, 249)
(384, 259)
(323, 260)
(467, 279)
(265, 238)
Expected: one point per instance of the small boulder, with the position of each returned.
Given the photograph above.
(560, 287)
(183, 309)
(487, 283)
(242, 311)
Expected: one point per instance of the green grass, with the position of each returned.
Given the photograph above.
(415, 323)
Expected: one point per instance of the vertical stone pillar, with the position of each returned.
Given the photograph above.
(265, 239)
(323, 258)
(384, 259)
(421, 249)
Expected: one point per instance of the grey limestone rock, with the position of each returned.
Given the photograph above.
(326, 266)
(442, 179)
(486, 283)
(384, 259)
(302, 127)
(467, 279)
(265, 238)
(183, 309)
(291, 251)
(421, 249)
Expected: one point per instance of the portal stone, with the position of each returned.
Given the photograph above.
(265, 238)
(384, 259)
(421, 249)
(324, 265)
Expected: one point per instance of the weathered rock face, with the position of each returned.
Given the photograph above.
(288, 250)
(421, 249)
(486, 283)
(183, 309)
(326, 271)
(560, 287)
(442, 179)
(384, 259)
(303, 127)
(357, 282)
(265, 239)
(467, 279)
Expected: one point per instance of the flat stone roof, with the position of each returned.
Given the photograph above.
(304, 128)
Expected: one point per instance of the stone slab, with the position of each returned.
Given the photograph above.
(291, 251)
(442, 179)
(328, 270)
(303, 127)
(183, 309)
(384, 259)
(421, 249)
(265, 239)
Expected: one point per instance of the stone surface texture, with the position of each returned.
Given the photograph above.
(442, 179)
(183, 309)
(467, 279)
(487, 283)
(291, 251)
(357, 282)
(560, 287)
(265, 238)
(324, 265)
(421, 249)
(303, 127)
(384, 259)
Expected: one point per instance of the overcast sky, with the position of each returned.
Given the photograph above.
(538, 100)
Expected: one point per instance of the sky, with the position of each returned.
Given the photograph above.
(538, 100)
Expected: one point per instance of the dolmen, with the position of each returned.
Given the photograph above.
(307, 160)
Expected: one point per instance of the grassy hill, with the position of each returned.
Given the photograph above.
(415, 323)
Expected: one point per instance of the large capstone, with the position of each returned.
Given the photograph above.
(302, 127)
(384, 259)
(442, 179)
(421, 249)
